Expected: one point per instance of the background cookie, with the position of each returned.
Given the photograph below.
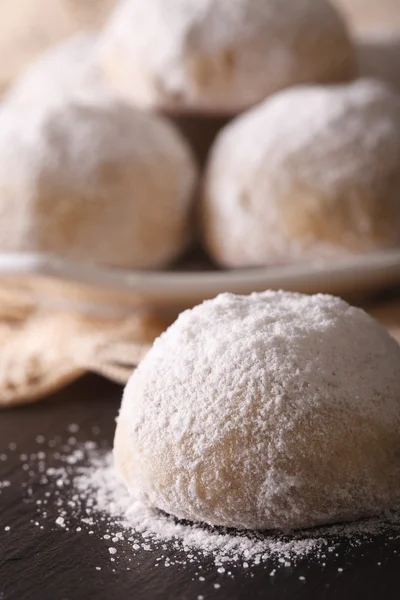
(313, 172)
(69, 69)
(95, 181)
(221, 57)
(28, 27)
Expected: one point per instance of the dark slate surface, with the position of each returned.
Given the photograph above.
(54, 564)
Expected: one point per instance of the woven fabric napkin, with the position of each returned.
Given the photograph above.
(41, 350)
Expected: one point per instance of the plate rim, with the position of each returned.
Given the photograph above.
(49, 266)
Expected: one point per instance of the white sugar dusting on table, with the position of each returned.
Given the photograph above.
(76, 489)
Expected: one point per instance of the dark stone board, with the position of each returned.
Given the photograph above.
(55, 564)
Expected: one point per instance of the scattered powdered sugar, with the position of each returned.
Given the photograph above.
(98, 484)
(79, 485)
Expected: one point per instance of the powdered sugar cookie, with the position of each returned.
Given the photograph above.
(27, 28)
(95, 181)
(268, 411)
(314, 172)
(68, 69)
(221, 57)
(72, 69)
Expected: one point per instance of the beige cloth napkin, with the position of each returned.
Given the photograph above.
(41, 350)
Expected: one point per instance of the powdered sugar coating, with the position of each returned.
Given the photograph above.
(30, 27)
(313, 172)
(221, 57)
(68, 69)
(95, 181)
(273, 410)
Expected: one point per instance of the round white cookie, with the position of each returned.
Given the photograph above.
(28, 27)
(69, 69)
(221, 57)
(313, 172)
(268, 411)
(95, 181)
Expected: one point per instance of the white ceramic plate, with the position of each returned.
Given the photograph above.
(56, 280)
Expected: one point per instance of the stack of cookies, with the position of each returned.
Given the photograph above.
(107, 150)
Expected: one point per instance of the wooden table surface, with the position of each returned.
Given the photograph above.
(55, 564)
